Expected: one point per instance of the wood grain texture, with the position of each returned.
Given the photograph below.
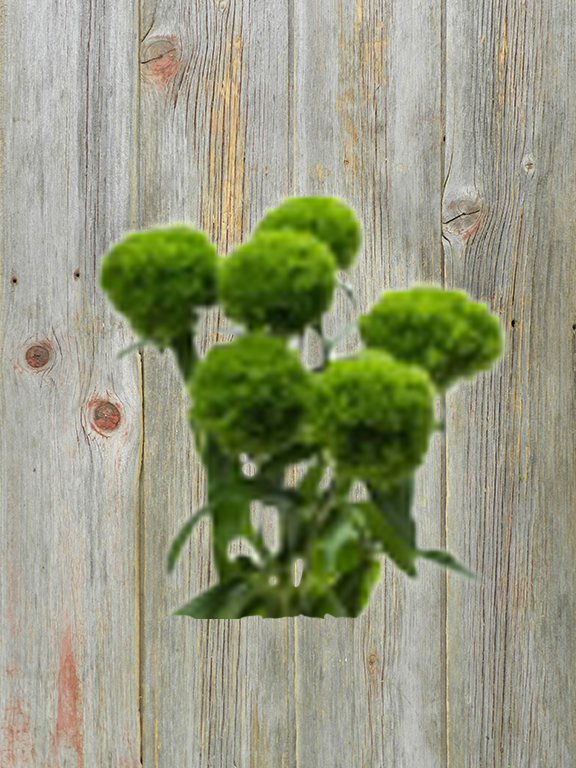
(449, 128)
(511, 433)
(369, 691)
(69, 411)
(214, 153)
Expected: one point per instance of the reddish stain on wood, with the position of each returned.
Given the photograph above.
(160, 59)
(69, 702)
(37, 356)
(106, 415)
(462, 217)
(17, 746)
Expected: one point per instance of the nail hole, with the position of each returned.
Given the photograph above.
(76, 274)
(14, 280)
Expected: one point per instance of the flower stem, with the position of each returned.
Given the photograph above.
(349, 291)
(185, 352)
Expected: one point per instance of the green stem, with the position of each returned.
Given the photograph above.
(349, 291)
(185, 352)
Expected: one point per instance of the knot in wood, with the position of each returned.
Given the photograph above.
(106, 416)
(37, 356)
(529, 165)
(462, 215)
(160, 59)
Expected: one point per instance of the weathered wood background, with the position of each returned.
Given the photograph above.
(450, 127)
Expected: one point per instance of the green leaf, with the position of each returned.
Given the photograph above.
(398, 548)
(245, 566)
(222, 601)
(330, 604)
(354, 589)
(395, 504)
(273, 468)
(261, 488)
(309, 486)
(330, 551)
(447, 560)
(391, 523)
(183, 535)
(229, 499)
(231, 517)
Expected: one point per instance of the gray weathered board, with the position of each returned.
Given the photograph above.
(450, 127)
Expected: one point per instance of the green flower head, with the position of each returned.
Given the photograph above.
(159, 278)
(444, 332)
(278, 280)
(327, 218)
(252, 394)
(375, 415)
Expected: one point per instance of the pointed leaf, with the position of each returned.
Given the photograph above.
(354, 589)
(396, 504)
(222, 601)
(398, 548)
(183, 535)
(231, 517)
(448, 561)
(330, 550)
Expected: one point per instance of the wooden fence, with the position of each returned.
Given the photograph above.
(450, 128)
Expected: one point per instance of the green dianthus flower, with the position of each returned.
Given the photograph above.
(252, 394)
(158, 278)
(444, 332)
(375, 415)
(327, 218)
(280, 280)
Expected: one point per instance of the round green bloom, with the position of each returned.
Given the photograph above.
(444, 332)
(327, 218)
(252, 394)
(158, 278)
(375, 415)
(278, 280)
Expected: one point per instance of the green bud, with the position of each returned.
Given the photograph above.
(252, 394)
(327, 218)
(159, 278)
(444, 332)
(278, 280)
(375, 415)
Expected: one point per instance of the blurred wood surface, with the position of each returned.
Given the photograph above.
(449, 128)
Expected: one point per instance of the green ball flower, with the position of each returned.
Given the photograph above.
(279, 280)
(375, 415)
(327, 218)
(444, 332)
(252, 394)
(158, 278)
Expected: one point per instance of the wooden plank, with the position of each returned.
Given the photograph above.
(214, 148)
(69, 411)
(511, 432)
(367, 127)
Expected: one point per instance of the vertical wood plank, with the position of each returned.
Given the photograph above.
(214, 149)
(370, 691)
(69, 411)
(511, 433)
